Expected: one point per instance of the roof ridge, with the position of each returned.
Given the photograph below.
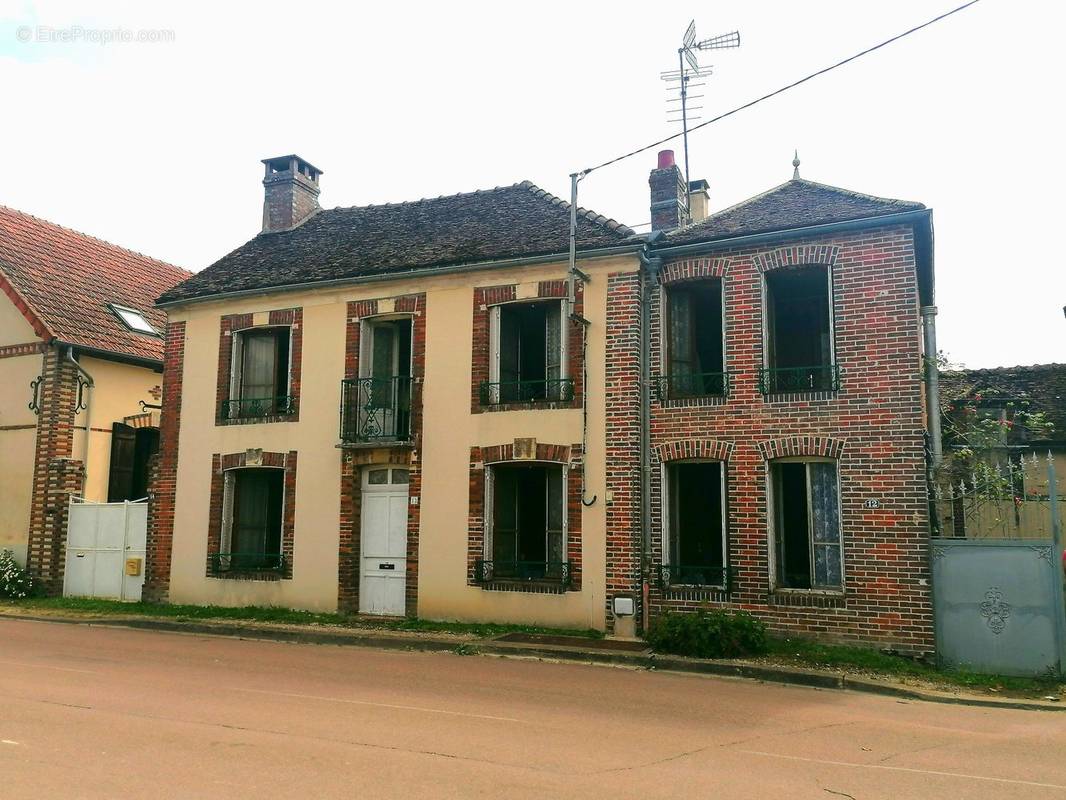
(97, 239)
(853, 193)
(693, 225)
(1026, 367)
(591, 216)
(428, 199)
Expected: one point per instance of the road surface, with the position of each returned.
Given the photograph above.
(97, 712)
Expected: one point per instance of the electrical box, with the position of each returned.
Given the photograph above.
(623, 607)
(133, 566)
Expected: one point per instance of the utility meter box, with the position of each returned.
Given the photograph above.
(623, 607)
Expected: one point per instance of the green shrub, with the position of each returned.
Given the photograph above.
(15, 582)
(709, 634)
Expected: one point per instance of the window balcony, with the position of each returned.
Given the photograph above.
(222, 563)
(791, 380)
(557, 572)
(690, 575)
(556, 390)
(376, 409)
(256, 407)
(691, 385)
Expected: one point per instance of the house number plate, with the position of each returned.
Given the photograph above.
(873, 502)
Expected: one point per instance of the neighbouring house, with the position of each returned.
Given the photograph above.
(417, 408)
(80, 348)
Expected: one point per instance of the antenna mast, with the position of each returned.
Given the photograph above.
(689, 68)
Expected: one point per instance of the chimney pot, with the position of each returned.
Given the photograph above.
(291, 192)
(666, 159)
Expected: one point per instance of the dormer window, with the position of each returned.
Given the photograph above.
(133, 319)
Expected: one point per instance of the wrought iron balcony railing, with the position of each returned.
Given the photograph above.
(542, 391)
(376, 409)
(247, 562)
(696, 384)
(252, 407)
(782, 380)
(546, 571)
(692, 575)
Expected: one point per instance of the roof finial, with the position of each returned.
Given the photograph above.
(796, 166)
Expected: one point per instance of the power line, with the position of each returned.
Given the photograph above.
(776, 92)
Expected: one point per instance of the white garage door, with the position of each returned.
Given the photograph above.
(101, 539)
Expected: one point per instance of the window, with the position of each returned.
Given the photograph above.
(133, 319)
(251, 520)
(695, 546)
(528, 354)
(259, 386)
(694, 357)
(128, 472)
(799, 347)
(526, 536)
(806, 503)
(377, 405)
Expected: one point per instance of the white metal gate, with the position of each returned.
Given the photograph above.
(105, 549)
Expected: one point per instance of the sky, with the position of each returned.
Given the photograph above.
(156, 145)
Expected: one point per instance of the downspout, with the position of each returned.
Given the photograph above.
(90, 385)
(648, 278)
(932, 387)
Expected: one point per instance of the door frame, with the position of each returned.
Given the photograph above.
(362, 476)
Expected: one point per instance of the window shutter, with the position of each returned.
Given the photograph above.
(228, 489)
(680, 318)
(123, 453)
(555, 513)
(825, 525)
(236, 365)
(553, 349)
(494, 344)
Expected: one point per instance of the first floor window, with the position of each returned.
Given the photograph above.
(696, 541)
(252, 520)
(527, 358)
(694, 355)
(806, 503)
(527, 536)
(799, 347)
(260, 382)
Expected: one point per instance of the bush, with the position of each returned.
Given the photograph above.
(709, 634)
(15, 582)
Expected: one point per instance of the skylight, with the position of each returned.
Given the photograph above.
(134, 320)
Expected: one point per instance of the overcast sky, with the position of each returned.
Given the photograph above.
(156, 146)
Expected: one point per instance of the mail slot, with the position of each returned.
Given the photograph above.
(133, 566)
(386, 566)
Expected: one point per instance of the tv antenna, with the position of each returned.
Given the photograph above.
(689, 69)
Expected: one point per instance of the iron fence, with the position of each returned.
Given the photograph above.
(538, 391)
(487, 571)
(247, 562)
(695, 384)
(376, 409)
(785, 380)
(252, 407)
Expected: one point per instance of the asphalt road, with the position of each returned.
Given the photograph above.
(95, 712)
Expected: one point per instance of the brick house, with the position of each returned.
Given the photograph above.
(495, 412)
(80, 346)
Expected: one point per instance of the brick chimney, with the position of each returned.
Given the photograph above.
(669, 205)
(291, 192)
(698, 200)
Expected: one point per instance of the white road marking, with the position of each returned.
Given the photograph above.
(902, 769)
(378, 705)
(46, 666)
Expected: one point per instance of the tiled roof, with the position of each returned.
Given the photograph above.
(492, 224)
(1043, 384)
(796, 204)
(64, 280)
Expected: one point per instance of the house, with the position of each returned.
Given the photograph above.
(418, 409)
(80, 348)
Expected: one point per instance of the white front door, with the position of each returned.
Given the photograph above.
(383, 538)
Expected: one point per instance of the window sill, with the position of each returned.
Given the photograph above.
(799, 397)
(809, 598)
(268, 576)
(528, 587)
(545, 405)
(696, 400)
(259, 420)
(381, 444)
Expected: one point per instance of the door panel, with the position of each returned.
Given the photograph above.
(383, 541)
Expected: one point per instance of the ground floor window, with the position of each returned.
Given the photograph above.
(695, 544)
(806, 504)
(252, 519)
(527, 534)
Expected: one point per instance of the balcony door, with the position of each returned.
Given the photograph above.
(385, 370)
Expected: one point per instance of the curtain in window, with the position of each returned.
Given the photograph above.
(251, 513)
(553, 349)
(258, 371)
(382, 365)
(683, 358)
(555, 510)
(504, 518)
(825, 525)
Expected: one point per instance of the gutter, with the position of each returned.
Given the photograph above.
(885, 220)
(932, 388)
(110, 355)
(88, 415)
(648, 280)
(427, 272)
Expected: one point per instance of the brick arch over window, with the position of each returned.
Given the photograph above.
(800, 255)
(692, 268)
(712, 449)
(558, 453)
(822, 446)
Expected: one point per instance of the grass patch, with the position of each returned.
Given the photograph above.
(275, 614)
(805, 653)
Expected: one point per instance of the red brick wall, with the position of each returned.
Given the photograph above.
(569, 455)
(56, 475)
(873, 425)
(408, 454)
(163, 491)
(231, 324)
(487, 296)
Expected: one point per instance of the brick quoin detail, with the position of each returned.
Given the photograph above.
(692, 268)
(56, 476)
(484, 299)
(219, 464)
(481, 457)
(407, 454)
(234, 323)
(623, 442)
(163, 476)
(878, 413)
(709, 449)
